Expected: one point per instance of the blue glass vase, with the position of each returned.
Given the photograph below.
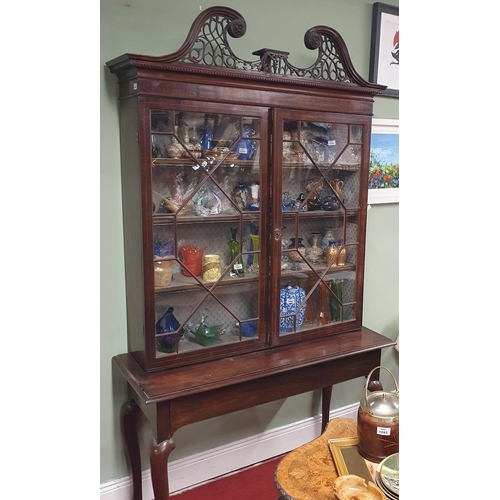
(207, 137)
(245, 148)
(167, 324)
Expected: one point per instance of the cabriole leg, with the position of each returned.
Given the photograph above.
(159, 467)
(129, 414)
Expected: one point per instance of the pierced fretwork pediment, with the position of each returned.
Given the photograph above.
(207, 46)
(211, 46)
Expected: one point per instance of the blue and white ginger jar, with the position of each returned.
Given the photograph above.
(290, 299)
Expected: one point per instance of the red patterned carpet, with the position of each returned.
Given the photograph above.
(256, 482)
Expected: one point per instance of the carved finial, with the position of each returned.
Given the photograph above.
(237, 27)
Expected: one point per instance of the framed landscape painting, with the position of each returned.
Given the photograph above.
(383, 180)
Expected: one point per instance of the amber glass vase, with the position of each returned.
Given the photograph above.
(331, 254)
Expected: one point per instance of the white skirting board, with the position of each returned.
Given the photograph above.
(192, 471)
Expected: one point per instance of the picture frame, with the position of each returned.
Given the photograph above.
(347, 459)
(384, 51)
(384, 162)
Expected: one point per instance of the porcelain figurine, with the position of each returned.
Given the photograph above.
(175, 183)
(287, 203)
(240, 195)
(300, 203)
(192, 143)
(328, 234)
(254, 203)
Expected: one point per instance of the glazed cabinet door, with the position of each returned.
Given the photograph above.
(320, 175)
(204, 265)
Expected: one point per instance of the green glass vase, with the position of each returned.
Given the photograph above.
(237, 268)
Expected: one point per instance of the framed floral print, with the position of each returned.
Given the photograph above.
(384, 57)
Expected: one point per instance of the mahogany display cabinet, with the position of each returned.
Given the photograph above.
(245, 187)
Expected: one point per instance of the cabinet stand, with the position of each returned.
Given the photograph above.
(173, 398)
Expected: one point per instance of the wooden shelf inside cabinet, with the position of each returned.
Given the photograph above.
(181, 283)
(197, 163)
(323, 166)
(333, 272)
(198, 219)
(351, 213)
(167, 218)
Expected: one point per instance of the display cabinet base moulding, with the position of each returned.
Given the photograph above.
(173, 398)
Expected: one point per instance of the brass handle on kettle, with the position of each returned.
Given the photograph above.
(368, 381)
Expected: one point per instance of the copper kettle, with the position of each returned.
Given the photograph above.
(378, 422)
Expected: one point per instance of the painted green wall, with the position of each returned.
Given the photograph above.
(158, 27)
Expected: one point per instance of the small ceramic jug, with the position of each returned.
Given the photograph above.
(337, 186)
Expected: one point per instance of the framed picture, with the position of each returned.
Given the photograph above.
(347, 459)
(384, 57)
(383, 177)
